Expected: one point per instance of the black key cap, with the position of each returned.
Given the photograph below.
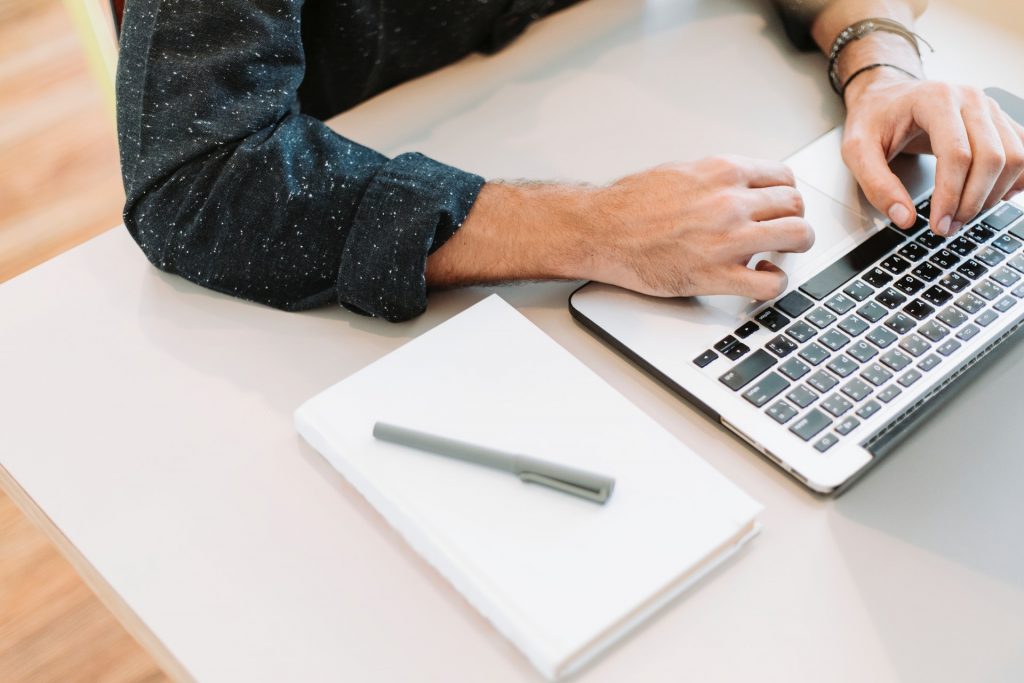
(857, 389)
(955, 282)
(877, 277)
(889, 393)
(895, 359)
(820, 317)
(735, 350)
(834, 339)
(895, 264)
(972, 269)
(967, 332)
(909, 377)
(781, 346)
(746, 329)
(988, 290)
(1005, 276)
(1002, 216)
(766, 389)
(725, 343)
(933, 331)
(881, 337)
(890, 298)
(1017, 231)
(844, 269)
(952, 316)
(947, 347)
(862, 351)
(900, 323)
(847, 425)
(962, 246)
(858, 290)
(842, 366)
(781, 412)
(868, 409)
(840, 303)
(927, 271)
(1018, 291)
(772, 319)
(822, 381)
(919, 224)
(913, 251)
(852, 325)
(813, 354)
(748, 369)
(914, 344)
(1006, 244)
(794, 368)
(970, 303)
(990, 257)
(908, 284)
(929, 362)
(936, 295)
(793, 304)
(876, 374)
(810, 424)
(704, 359)
(924, 206)
(1004, 304)
(944, 258)
(872, 312)
(836, 404)
(1017, 262)
(801, 331)
(986, 318)
(929, 240)
(802, 396)
(980, 234)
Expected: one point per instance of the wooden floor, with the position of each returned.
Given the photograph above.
(59, 185)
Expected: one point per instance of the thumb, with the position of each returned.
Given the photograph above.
(880, 185)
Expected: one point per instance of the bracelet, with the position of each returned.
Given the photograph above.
(860, 29)
(871, 67)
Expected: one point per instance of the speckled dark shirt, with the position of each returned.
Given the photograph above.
(234, 182)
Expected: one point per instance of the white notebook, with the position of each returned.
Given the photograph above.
(561, 577)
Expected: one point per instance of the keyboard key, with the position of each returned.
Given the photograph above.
(933, 331)
(895, 264)
(988, 290)
(929, 362)
(857, 389)
(840, 304)
(980, 234)
(858, 291)
(961, 246)
(970, 303)
(748, 370)
(802, 396)
(781, 346)
(781, 412)
(955, 282)
(1002, 216)
(794, 368)
(813, 354)
(772, 319)
(746, 329)
(895, 359)
(826, 442)
(900, 323)
(944, 258)
(930, 240)
(876, 374)
(801, 331)
(1004, 304)
(852, 325)
(793, 304)
(881, 337)
(947, 347)
(986, 318)
(909, 377)
(845, 268)
(877, 277)
(834, 340)
(836, 404)
(952, 317)
(1005, 276)
(914, 344)
(1006, 244)
(927, 271)
(868, 409)
(847, 425)
(872, 312)
(923, 207)
(862, 351)
(990, 257)
(725, 343)
(1018, 291)
(735, 350)
(820, 317)
(972, 269)
(1017, 262)
(1017, 231)
(913, 251)
(919, 309)
(810, 424)
(822, 381)
(890, 298)
(908, 284)
(968, 332)
(936, 295)
(704, 359)
(766, 389)
(842, 366)
(889, 393)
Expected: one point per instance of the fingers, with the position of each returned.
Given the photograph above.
(986, 164)
(945, 126)
(1013, 149)
(779, 201)
(766, 281)
(791, 234)
(864, 155)
(761, 173)
(1018, 186)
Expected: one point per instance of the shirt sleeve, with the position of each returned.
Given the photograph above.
(799, 15)
(228, 185)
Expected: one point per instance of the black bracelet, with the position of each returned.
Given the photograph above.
(871, 67)
(860, 29)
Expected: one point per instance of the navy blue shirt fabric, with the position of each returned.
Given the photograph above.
(233, 181)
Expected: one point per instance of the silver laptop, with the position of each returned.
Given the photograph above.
(824, 380)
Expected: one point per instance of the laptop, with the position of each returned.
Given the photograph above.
(876, 324)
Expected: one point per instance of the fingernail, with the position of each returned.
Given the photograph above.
(899, 214)
(954, 227)
(943, 227)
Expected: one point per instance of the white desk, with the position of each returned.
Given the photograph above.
(147, 422)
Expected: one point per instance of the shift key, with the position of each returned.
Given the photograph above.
(747, 370)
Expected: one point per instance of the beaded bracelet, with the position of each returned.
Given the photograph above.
(859, 30)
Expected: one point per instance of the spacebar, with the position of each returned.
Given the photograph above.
(862, 256)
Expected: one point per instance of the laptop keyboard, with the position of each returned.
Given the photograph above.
(873, 323)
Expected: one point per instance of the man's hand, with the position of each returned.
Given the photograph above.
(979, 149)
(676, 230)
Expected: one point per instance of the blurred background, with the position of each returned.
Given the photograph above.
(59, 186)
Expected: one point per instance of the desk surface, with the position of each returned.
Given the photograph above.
(148, 423)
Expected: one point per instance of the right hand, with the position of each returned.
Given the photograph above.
(688, 229)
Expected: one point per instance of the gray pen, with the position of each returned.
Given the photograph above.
(594, 487)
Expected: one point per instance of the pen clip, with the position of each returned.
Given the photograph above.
(597, 495)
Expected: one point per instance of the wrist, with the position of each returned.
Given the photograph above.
(858, 86)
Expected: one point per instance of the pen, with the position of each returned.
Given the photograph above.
(589, 485)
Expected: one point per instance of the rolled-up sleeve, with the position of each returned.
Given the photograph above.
(798, 16)
(229, 185)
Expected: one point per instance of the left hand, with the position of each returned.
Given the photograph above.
(979, 148)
